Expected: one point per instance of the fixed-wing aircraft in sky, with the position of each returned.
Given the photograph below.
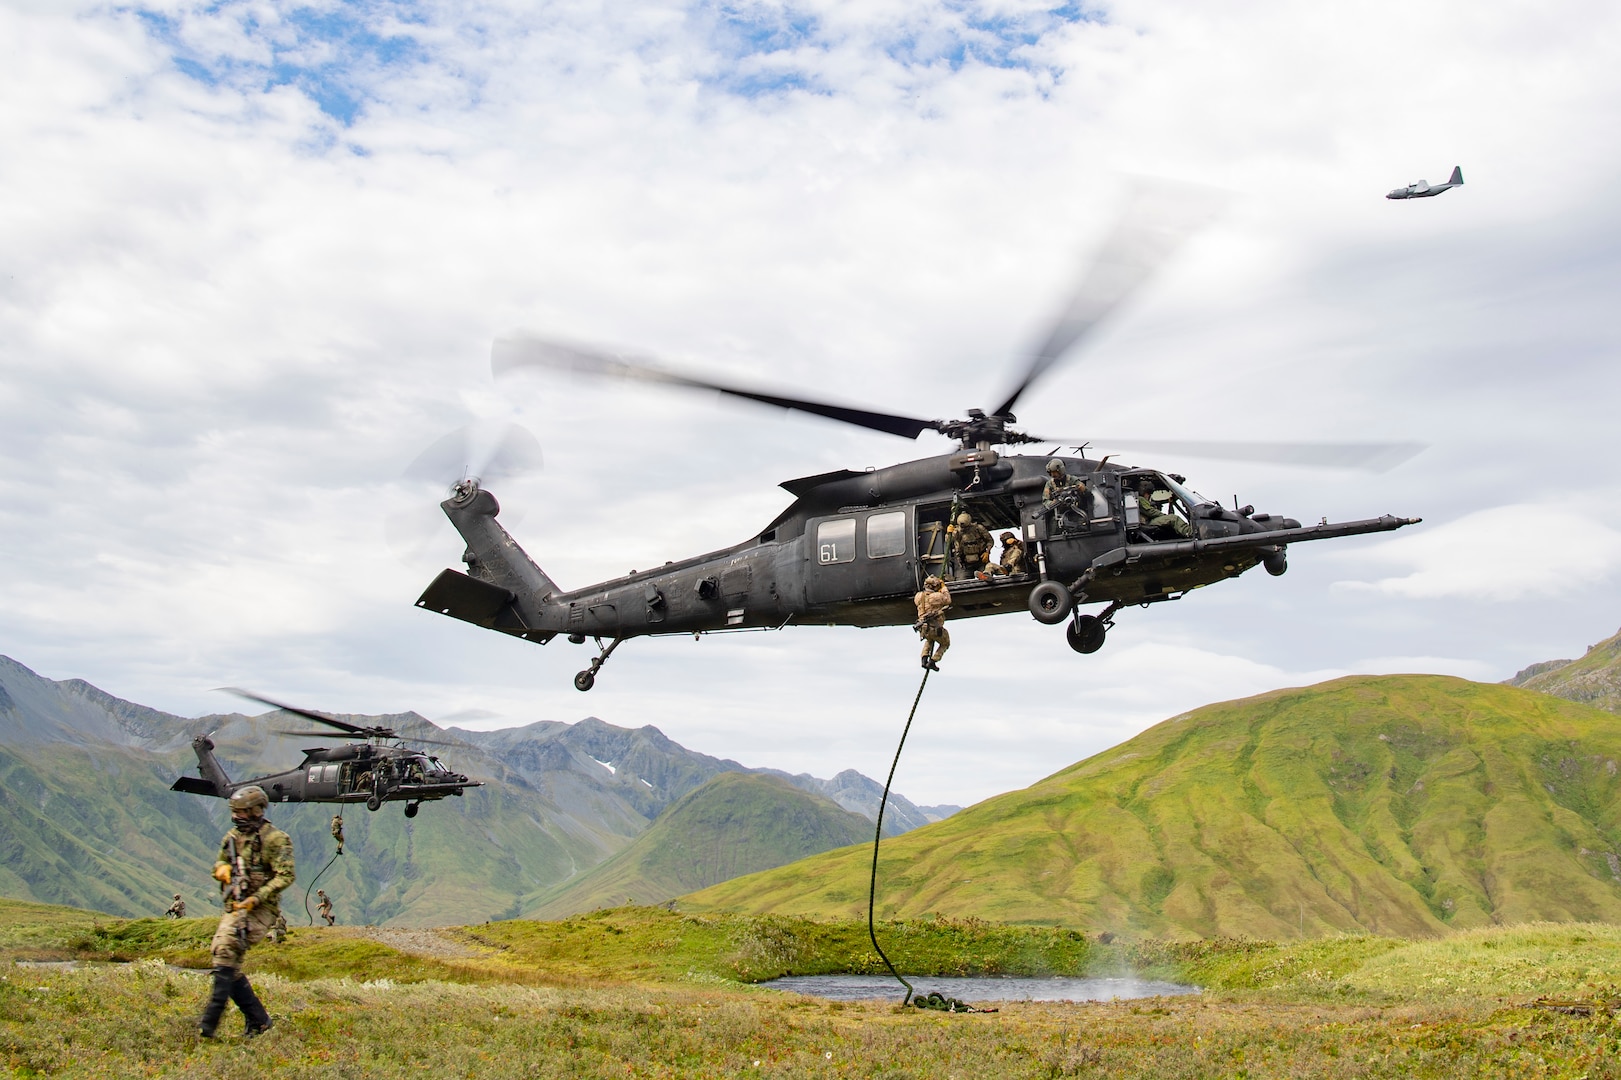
(1423, 190)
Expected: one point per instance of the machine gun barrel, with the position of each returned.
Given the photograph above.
(1272, 538)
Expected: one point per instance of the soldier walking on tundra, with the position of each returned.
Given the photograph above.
(255, 864)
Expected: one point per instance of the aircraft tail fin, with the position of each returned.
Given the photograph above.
(213, 781)
(1457, 175)
(503, 588)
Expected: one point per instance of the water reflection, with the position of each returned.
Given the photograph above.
(989, 988)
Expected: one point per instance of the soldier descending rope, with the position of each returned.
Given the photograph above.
(255, 864)
(932, 603)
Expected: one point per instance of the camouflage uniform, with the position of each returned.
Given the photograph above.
(324, 908)
(1152, 506)
(971, 542)
(1012, 556)
(177, 910)
(278, 931)
(1062, 491)
(932, 603)
(337, 831)
(267, 852)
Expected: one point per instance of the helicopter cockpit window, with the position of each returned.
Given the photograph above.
(836, 541)
(886, 535)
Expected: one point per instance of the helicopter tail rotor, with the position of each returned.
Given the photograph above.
(455, 463)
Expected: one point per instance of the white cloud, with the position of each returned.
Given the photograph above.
(228, 320)
(1524, 551)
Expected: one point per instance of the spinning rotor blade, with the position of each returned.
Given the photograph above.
(305, 713)
(488, 452)
(1154, 224)
(1370, 457)
(517, 353)
(317, 734)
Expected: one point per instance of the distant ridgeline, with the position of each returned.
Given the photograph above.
(1405, 805)
(87, 818)
(1594, 680)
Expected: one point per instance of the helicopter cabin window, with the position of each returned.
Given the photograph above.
(836, 541)
(886, 535)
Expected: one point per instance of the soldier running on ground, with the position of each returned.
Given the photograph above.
(932, 603)
(255, 864)
(177, 910)
(324, 908)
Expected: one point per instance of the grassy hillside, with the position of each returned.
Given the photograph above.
(1399, 805)
(1594, 680)
(640, 992)
(736, 823)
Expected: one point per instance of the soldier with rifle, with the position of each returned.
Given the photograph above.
(255, 864)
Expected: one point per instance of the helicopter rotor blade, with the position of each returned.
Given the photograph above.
(489, 451)
(520, 352)
(1155, 222)
(1376, 457)
(318, 734)
(295, 710)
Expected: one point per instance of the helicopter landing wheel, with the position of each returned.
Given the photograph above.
(1086, 634)
(1050, 603)
(411, 809)
(374, 804)
(585, 680)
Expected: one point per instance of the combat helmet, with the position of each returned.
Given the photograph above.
(1054, 465)
(932, 582)
(251, 799)
(965, 518)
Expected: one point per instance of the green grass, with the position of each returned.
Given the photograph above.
(1407, 806)
(647, 993)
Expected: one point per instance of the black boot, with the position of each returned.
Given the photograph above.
(253, 1010)
(218, 997)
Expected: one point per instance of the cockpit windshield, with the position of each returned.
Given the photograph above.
(1188, 496)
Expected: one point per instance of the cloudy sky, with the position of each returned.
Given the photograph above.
(254, 256)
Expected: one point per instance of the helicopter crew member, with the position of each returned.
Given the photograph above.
(1152, 505)
(1012, 561)
(324, 908)
(1062, 492)
(337, 831)
(932, 603)
(971, 543)
(255, 864)
(177, 910)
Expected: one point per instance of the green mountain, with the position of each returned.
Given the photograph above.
(87, 818)
(1594, 680)
(737, 823)
(1401, 805)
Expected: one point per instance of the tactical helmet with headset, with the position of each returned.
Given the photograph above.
(248, 804)
(1054, 465)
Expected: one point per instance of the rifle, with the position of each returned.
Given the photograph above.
(236, 891)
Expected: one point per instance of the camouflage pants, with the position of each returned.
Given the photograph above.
(228, 949)
(935, 638)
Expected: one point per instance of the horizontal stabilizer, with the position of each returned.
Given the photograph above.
(478, 602)
(196, 785)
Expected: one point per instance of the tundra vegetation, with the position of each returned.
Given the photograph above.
(645, 992)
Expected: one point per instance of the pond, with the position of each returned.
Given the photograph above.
(988, 988)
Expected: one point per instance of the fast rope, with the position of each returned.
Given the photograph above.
(311, 885)
(935, 999)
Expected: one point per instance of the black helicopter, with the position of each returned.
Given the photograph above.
(853, 547)
(371, 772)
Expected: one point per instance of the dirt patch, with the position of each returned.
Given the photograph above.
(422, 942)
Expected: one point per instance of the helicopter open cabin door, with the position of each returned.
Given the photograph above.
(860, 555)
